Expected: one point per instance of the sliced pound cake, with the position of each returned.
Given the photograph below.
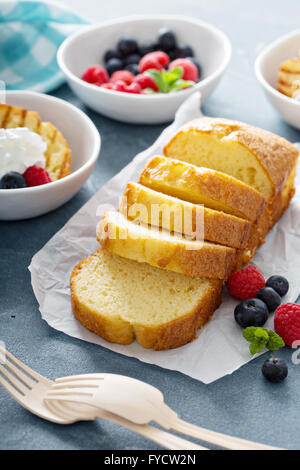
(144, 205)
(160, 249)
(212, 188)
(259, 158)
(122, 300)
(58, 153)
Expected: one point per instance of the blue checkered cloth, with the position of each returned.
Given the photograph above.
(30, 34)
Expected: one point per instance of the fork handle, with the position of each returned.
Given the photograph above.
(162, 438)
(221, 440)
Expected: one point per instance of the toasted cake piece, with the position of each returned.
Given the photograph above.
(258, 158)
(158, 248)
(289, 77)
(58, 154)
(122, 300)
(143, 205)
(212, 188)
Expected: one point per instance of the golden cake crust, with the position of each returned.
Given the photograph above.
(170, 335)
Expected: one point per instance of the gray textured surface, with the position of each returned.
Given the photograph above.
(242, 404)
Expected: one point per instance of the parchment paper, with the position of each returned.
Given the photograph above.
(220, 348)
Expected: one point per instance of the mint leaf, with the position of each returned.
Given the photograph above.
(260, 338)
(180, 84)
(158, 79)
(275, 341)
(171, 76)
(149, 91)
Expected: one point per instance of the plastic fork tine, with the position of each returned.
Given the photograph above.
(80, 377)
(13, 380)
(16, 394)
(74, 384)
(20, 375)
(25, 368)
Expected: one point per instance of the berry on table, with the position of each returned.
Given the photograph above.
(36, 176)
(12, 180)
(111, 54)
(279, 284)
(190, 71)
(123, 75)
(287, 323)
(95, 74)
(270, 297)
(113, 65)
(146, 82)
(133, 68)
(251, 312)
(166, 39)
(246, 283)
(132, 59)
(275, 370)
(127, 46)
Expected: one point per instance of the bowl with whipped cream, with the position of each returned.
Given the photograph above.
(48, 149)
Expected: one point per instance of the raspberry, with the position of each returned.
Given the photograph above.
(154, 60)
(190, 71)
(108, 86)
(36, 176)
(246, 283)
(119, 85)
(95, 74)
(123, 75)
(134, 88)
(287, 323)
(146, 82)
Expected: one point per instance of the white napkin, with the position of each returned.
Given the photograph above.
(220, 348)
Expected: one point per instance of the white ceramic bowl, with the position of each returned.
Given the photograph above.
(84, 141)
(87, 47)
(266, 68)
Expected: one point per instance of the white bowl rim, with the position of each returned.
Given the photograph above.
(259, 75)
(159, 96)
(94, 155)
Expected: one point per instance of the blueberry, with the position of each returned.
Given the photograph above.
(132, 59)
(133, 68)
(270, 297)
(127, 46)
(148, 47)
(113, 65)
(195, 61)
(279, 284)
(275, 370)
(251, 312)
(184, 51)
(111, 54)
(166, 39)
(12, 180)
(173, 54)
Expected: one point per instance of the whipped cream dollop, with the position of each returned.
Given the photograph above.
(20, 148)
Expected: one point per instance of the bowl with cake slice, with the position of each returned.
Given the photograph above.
(277, 69)
(48, 149)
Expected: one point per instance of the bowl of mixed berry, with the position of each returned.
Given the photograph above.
(141, 69)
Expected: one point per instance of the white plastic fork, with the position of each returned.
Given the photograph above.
(29, 388)
(138, 402)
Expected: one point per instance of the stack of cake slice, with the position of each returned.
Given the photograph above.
(156, 278)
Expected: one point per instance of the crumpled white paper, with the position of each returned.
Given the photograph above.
(220, 348)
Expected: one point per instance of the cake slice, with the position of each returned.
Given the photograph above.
(58, 153)
(160, 249)
(259, 158)
(212, 188)
(143, 205)
(122, 300)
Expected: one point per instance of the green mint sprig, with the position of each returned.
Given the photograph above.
(260, 338)
(169, 81)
